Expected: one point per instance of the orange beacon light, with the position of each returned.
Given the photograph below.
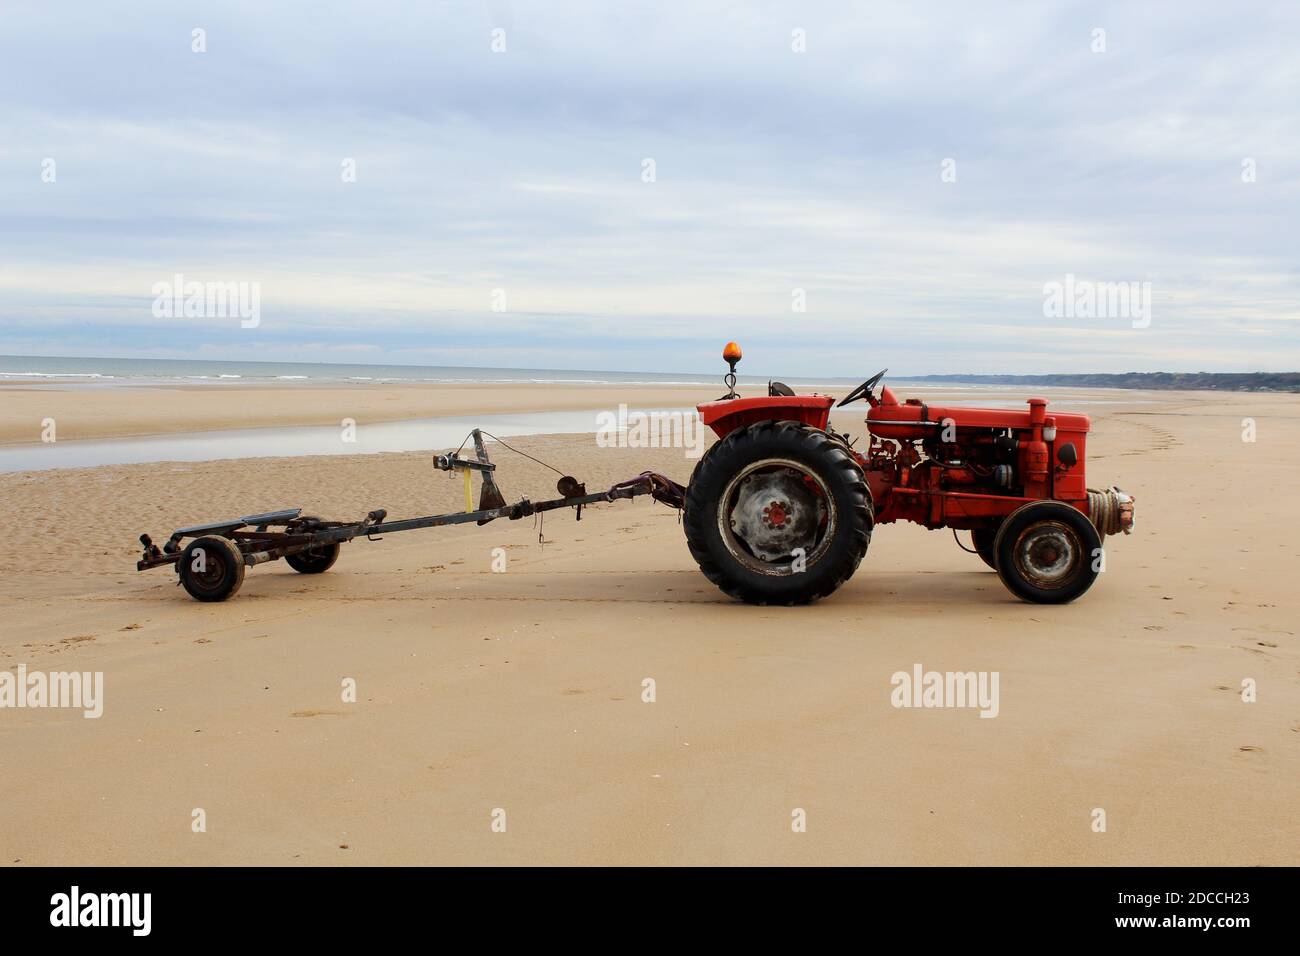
(731, 355)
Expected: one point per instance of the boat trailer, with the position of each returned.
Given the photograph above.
(211, 567)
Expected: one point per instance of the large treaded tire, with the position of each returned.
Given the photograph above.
(832, 463)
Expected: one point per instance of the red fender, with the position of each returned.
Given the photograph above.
(728, 414)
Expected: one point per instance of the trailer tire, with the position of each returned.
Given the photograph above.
(1047, 552)
(314, 561)
(765, 487)
(211, 568)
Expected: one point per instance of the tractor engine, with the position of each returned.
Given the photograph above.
(989, 460)
(961, 467)
(917, 450)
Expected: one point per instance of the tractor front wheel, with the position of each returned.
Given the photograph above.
(778, 513)
(982, 539)
(1047, 552)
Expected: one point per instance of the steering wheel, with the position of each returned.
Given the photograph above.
(864, 390)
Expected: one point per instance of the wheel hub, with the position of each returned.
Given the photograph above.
(212, 568)
(1046, 554)
(775, 513)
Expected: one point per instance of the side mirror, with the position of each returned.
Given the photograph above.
(1068, 455)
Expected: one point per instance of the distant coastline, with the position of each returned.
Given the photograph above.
(105, 372)
(1165, 381)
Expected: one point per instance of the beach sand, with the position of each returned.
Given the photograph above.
(123, 411)
(522, 691)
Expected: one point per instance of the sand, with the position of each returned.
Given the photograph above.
(522, 691)
(121, 412)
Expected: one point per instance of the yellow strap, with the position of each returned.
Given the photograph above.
(469, 490)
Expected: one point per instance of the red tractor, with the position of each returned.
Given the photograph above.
(781, 509)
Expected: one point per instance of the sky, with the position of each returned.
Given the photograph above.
(838, 186)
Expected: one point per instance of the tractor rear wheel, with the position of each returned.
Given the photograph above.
(317, 560)
(211, 568)
(982, 540)
(1047, 552)
(778, 513)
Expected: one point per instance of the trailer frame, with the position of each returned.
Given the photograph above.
(252, 535)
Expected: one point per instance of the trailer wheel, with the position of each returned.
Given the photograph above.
(314, 561)
(1047, 552)
(211, 568)
(982, 539)
(778, 513)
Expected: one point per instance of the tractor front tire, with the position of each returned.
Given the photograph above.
(211, 568)
(778, 513)
(315, 561)
(982, 539)
(1047, 552)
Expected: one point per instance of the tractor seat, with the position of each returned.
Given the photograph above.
(775, 389)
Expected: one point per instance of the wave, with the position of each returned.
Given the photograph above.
(55, 375)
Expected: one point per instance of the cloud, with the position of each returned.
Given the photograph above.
(775, 171)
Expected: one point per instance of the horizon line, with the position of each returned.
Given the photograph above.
(608, 371)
